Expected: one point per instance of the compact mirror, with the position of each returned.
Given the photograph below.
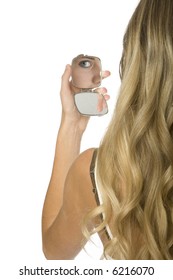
(87, 75)
(91, 103)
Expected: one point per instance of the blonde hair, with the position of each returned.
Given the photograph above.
(135, 157)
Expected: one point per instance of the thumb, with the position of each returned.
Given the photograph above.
(65, 77)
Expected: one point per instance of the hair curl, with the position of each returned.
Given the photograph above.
(135, 158)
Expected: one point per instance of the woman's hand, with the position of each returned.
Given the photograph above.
(69, 110)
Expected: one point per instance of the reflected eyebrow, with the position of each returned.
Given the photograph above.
(84, 57)
(90, 57)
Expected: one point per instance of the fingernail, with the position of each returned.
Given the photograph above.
(104, 90)
(107, 97)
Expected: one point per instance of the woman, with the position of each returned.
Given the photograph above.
(132, 209)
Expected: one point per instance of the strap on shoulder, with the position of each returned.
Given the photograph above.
(92, 170)
(92, 175)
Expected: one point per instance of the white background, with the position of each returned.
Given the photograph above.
(37, 40)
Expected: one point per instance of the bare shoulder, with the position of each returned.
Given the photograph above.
(79, 178)
(83, 161)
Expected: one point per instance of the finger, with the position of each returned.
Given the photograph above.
(106, 97)
(101, 90)
(65, 77)
(105, 74)
(101, 104)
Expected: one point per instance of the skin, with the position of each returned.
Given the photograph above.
(69, 196)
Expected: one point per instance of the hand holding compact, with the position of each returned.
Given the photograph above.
(87, 77)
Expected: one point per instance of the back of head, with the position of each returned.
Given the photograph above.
(135, 159)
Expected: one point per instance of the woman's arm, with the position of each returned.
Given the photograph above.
(67, 149)
(60, 209)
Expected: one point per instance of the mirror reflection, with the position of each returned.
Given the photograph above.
(91, 103)
(86, 72)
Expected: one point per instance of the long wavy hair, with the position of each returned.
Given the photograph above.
(135, 158)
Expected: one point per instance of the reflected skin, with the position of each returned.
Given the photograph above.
(86, 72)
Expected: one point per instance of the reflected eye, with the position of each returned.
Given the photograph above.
(85, 64)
